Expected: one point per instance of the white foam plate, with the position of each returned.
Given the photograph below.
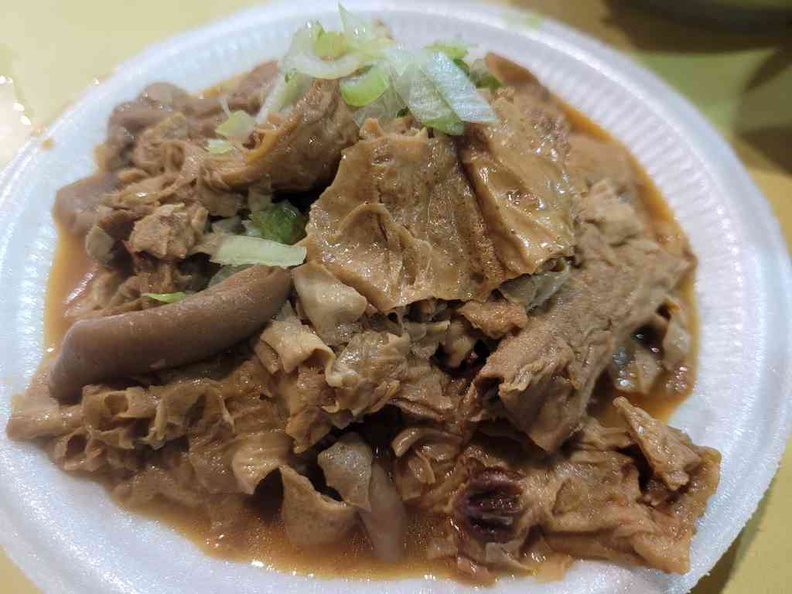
(70, 538)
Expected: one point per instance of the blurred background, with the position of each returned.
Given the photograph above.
(731, 58)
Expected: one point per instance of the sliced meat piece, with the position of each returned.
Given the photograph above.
(311, 518)
(598, 160)
(493, 508)
(459, 341)
(170, 232)
(104, 292)
(425, 456)
(603, 165)
(347, 469)
(174, 185)
(491, 505)
(545, 374)
(48, 421)
(616, 219)
(219, 203)
(307, 397)
(76, 204)
(259, 455)
(589, 501)
(147, 155)
(121, 418)
(295, 342)
(252, 87)
(333, 307)
(161, 276)
(129, 119)
(350, 469)
(524, 191)
(594, 436)
(101, 247)
(601, 512)
(168, 475)
(300, 153)
(668, 451)
(119, 211)
(369, 372)
(400, 224)
(677, 342)
(157, 102)
(426, 337)
(496, 318)
(535, 96)
(164, 93)
(423, 392)
(192, 329)
(386, 522)
(533, 290)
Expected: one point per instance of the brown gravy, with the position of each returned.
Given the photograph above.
(261, 540)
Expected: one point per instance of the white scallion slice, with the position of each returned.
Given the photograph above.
(236, 250)
(228, 225)
(363, 37)
(384, 108)
(364, 88)
(239, 126)
(456, 89)
(456, 49)
(398, 59)
(302, 56)
(287, 91)
(223, 100)
(312, 65)
(219, 146)
(330, 44)
(166, 297)
(425, 102)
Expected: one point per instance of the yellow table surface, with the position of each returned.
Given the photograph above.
(51, 49)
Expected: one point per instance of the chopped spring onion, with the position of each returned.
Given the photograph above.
(456, 49)
(229, 225)
(456, 89)
(302, 56)
(364, 88)
(280, 222)
(236, 250)
(303, 40)
(330, 44)
(219, 146)
(462, 66)
(312, 65)
(398, 59)
(166, 297)
(364, 37)
(238, 126)
(435, 84)
(289, 88)
(482, 77)
(425, 102)
(384, 108)
(224, 104)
